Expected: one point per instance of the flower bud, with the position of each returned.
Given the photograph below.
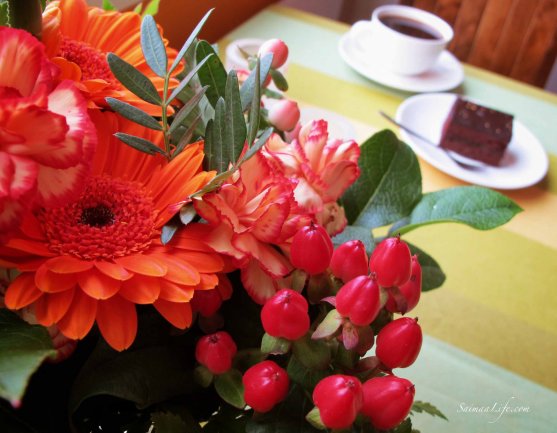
(391, 262)
(311, 249)
(339, 399)
(387, 401)
(284, 114)
(216, 352)
(279, 50)
(359, 300)
(349, 260)
(285, 315)
(399, 343)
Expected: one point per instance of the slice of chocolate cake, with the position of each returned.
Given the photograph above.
(477, 132)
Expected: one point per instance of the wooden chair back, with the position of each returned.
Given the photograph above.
(516, 38)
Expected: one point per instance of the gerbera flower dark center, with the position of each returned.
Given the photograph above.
(91, 61)
(113, 218)
(97, 216)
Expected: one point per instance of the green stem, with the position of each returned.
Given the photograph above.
(26, 15)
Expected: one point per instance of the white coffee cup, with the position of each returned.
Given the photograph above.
(401, 53)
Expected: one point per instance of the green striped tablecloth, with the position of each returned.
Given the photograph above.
(492, 328)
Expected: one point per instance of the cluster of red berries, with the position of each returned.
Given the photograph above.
(390, 279)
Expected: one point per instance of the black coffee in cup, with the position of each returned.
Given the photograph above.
(410, 27)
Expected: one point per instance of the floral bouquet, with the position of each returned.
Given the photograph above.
(181, 255)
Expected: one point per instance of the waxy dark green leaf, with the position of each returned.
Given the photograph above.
(134, 114)
(389, 185)
(189, 41)
(246, 92)
(212, 73)
(356, 232)
(153, 47)
(258, 144)
(477, 207)
(279, 80)
(235, 124)
(139, 143)
(185, 81)
(187, 109)
(133, 80)
(23, 348)
(255, 108)
(230, 388)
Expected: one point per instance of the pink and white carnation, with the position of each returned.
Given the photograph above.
(323, 168)
(46, 137)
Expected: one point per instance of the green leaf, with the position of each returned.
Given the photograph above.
(226, 420)
(134, 114)
(4, 15)
(314, 418)
(230, 388)
(404, 427)
(152, 8)
(235, 124)
(389, 185)
(212, 73)
(139, 143)
(356, 232)
(432, 274)
(186, 137)
(187, 214)
(153, 47)
(187, 79)
(220, 159)
(189, 41)
(274, 345)
(477, 207)
(167, 422)
(255, 109)
(108, 6)
(314, 354)
(186, 109)
(258, 144)
(169, 229)
(279, 80)
(203, 376)
(424, 406)
(23, 348)
(246, 92)
(303, 376)
(138, 8)
(133, 80)
(329, 325)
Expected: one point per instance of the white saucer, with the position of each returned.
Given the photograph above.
(525, 161)
(445, 75)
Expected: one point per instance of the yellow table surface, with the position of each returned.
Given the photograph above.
(492, 328)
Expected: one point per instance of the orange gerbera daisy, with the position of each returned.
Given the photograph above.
(93, 259)
(78, 37)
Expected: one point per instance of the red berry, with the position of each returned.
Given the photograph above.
(265, 384)
(411, 290)
(284, 114)
(285, 315)
(216, 352)
(207, 302)
(279, 50)
(399, 343)
(349, 260)
(391, 262)
(339, 399)
(387, 401)
(359, 300)
(311, 249)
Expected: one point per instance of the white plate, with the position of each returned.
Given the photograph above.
(525, 161)
(338, 126)
(445, 75)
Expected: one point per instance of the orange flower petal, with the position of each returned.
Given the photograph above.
(113, 270)
(79, 319)
(178, 314)
(22, 292)
(29, 246)
(208, 282)
(50, 308)
(143, 264)
(68, 70)
(50, 282)
(117, 321)
(98, 285)
(74, 18)
(141, 289)
(68, 265)
(175, 293)
(203, 262)
(180, 271)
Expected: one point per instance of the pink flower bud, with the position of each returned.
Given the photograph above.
(279, 50)
(284, 115)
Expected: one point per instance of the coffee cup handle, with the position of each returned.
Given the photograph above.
(360, 33)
